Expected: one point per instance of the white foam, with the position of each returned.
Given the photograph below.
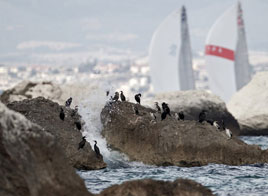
(90, 108)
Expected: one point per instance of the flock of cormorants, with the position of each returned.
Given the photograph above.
(165, 111)
(78, 126)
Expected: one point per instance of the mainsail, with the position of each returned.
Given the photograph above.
(226, 54)
(170, 57)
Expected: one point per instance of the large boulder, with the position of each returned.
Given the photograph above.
(249, 105)
(192, 102)
(148, 187)
(46, 114)
(172, 142)
(32, 162)
(29, 90)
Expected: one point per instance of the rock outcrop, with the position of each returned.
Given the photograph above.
(149, 187)
(192, 102)
(249, 106)
(32, 162)
(46, 114)
(29, 90)
(172, 142)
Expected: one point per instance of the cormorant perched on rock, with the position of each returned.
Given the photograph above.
(181, 115)
(62, 115)
(166, 108)
(138, 98)
(157, 107)
(75, 111)
(69, 102)
(202, 116)
(96, 149)
(153, 116)
(82, 143)
(122, 96)
(78, 125)
(163, 115)
(107, 93)
(116, 96)
(135, 110)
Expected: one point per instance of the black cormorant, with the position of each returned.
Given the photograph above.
(96, 149)
(202, 116)
(116, 96)
(62, 115)
(135, 110)
(181, 115)
(157, 107)
(166, 108)
(122, 96)
(107, 93)
(138, 98)
(78, 125)
(163, 115)
(82, 143)
(74, 111)
(69, 102)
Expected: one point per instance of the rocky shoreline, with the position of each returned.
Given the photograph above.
(33, 163)
(172, 142)
(40, 151)
(45, 113)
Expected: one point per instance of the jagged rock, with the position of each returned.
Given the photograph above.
(249, 105)
(46, 114)
(32, 163)
(172, 142)
(28, 90)
(192, 102)
(49, 90)
(148, 187)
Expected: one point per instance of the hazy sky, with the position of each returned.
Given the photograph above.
(30, 27)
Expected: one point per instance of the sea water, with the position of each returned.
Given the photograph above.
(221, 179)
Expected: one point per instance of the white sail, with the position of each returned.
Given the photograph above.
(170, 57)
(226, 60)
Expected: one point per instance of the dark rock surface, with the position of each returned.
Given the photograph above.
(192, 102)
(32, 163)
(149, 187)
(46, 114)
(172, 142)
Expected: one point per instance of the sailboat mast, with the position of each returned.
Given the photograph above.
(242, 67)
(185, 71)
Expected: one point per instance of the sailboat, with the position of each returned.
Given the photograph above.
(226, 54)
(170, 57)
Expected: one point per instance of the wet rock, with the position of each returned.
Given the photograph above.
(172, 142)
(32, 163)
(149, 187)
(192, 102)
(46, 114)
(249, 106)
